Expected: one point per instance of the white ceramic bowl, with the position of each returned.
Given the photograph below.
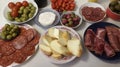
(94, 5)
(7, 9)
(69, 12)
(56, 21)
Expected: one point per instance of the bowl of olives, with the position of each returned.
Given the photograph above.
(71, 19)
(9, 31)
(19, 12)
(113, 10)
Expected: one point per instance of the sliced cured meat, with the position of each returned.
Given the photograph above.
(87, 10)
(28, 50)
(113, 39)
(99, 46)
(101, 32)
(0, 54)
(89, 39)
(35, 40)
(5, 61)
(30, 33)
(109, 50)
(7, 48)
(19, 57)
(19, 42)
(93, 14)
(22, 31)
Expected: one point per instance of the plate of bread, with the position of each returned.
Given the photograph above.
(60, 44)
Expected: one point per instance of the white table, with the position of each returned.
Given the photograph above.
(87, 59)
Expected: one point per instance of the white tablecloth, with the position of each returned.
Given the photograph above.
(86, 60)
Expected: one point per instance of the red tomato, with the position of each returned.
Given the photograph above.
(11, 5)
(19, 4)
(14, 14)
(16, 8)
(25, 3)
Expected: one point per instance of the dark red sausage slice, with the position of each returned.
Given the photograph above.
(7, 48)
(19, 57)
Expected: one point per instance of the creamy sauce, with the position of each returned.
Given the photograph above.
(46, 18)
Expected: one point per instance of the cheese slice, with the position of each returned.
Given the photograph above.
(55, 46)
(53, 32)
(46, 49)
(74, 46)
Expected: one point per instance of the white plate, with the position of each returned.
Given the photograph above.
(48, 10)
(29, 57)
(91, 4)
(7, 9)
(73, 34)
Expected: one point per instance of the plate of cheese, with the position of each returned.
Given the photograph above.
(60, 44)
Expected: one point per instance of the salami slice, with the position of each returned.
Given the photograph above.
(5, 61)
(7, 48)
(35, 40)
(19, 42)
(28, 50)
(29, 34)
(19, 57)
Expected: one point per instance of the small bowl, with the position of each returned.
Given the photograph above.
(112, 14)
(70, 12)
(7, 9)
(94, 5)
(57, 19)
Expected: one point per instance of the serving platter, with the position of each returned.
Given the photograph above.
(94, 28)
(26, 26)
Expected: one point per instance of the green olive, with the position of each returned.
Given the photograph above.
(15, 27)
(8, 37)
(30, 4)
(2, 35)
(7, 25)
(25, 11)
(12, 25)
(30, 15)
(20, 11)
(14, 34)
(5, 32)
(33, 8)
(9, 17)
(23, 19)
(22, 8)
(32, 11)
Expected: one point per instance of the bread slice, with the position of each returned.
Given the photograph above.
(63, 38)
(53, 32)
(56, 55)
(46, 49)
(55, 46)
(46, 40)
(74, 46)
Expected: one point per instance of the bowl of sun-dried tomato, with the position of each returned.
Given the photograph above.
(92, 12)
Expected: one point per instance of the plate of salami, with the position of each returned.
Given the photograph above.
(18, 50)
(103, 39)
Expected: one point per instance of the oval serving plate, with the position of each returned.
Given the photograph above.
(63, 60)
(103, 56)
(27, 26)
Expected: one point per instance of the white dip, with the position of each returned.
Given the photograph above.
(46, 18)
